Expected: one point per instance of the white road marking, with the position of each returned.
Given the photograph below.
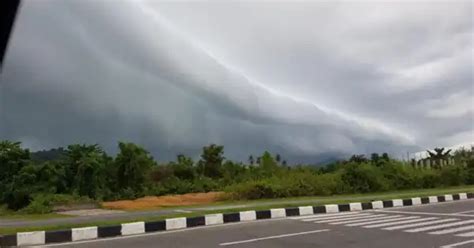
(457, 244)
(337, 217)
(423, 213)
(272, 237)
(453, 230)
(365, 219)
(418, 224)
(429, 228)
(324, 215)
(469, 234)
(381, 221)
(349, 218)
(399, 222)
(465, 212)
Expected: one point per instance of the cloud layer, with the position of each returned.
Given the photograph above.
(307, 80)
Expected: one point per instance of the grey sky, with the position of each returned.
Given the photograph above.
(309, 80)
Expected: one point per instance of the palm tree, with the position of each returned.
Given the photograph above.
(438, 155)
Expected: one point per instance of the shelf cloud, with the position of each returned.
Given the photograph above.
(309, 80)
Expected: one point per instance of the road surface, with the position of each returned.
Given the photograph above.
(447, 225)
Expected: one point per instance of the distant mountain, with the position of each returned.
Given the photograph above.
(47, 155)
(316, 160)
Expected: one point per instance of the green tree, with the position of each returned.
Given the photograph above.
(438, 156)
(251, 160)
(12, 159)
(463, 156)
(358, 158)
(233, 172)
(363, 177)
(86, 169)
(267, 162)
(438, 153)
(211, 161)
(278, 158)
(184, 168)
(470, 171)
(133, 167)
(45, 178)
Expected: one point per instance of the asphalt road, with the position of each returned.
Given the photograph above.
(441, 225)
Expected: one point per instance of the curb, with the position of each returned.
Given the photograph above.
(125, 229)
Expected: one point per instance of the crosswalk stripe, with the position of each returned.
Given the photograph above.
(400, 222)
(469, 234)
(323, 215)
(348, 218)
(373, 217)
(418, 224)
(336, 217)
(453, 230)
(429, 228)
(382, 220)
(367, 219)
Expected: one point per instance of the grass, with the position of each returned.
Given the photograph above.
(354, 197)
(6, 214)
(257, 205)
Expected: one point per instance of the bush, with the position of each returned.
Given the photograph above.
(87, 170)
(470, 172)
(45, 203)
(293, 184)
(363, 178)
(398, 175)
(427, 178)
(453, 175)
(39, 205)
(256, 190)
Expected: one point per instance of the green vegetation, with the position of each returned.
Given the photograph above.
(263, 204)
(32, 183)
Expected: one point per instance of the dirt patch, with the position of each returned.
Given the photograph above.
(153, 202)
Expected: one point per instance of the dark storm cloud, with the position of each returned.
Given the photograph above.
(175, 77)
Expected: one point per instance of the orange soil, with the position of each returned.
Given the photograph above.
(153, 202)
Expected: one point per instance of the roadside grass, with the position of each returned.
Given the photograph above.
(262, 204)
(6, 214)
(325, 199)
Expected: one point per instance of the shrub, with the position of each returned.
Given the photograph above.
(453, 175)
(470, 171)
(427, 178)
(39, 205)
(256, 190)
(45, 203)
(363, 178)
(290, 185)
(398, 175)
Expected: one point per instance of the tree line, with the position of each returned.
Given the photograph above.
(33, 182)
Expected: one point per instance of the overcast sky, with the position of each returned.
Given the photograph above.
(309, 80)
